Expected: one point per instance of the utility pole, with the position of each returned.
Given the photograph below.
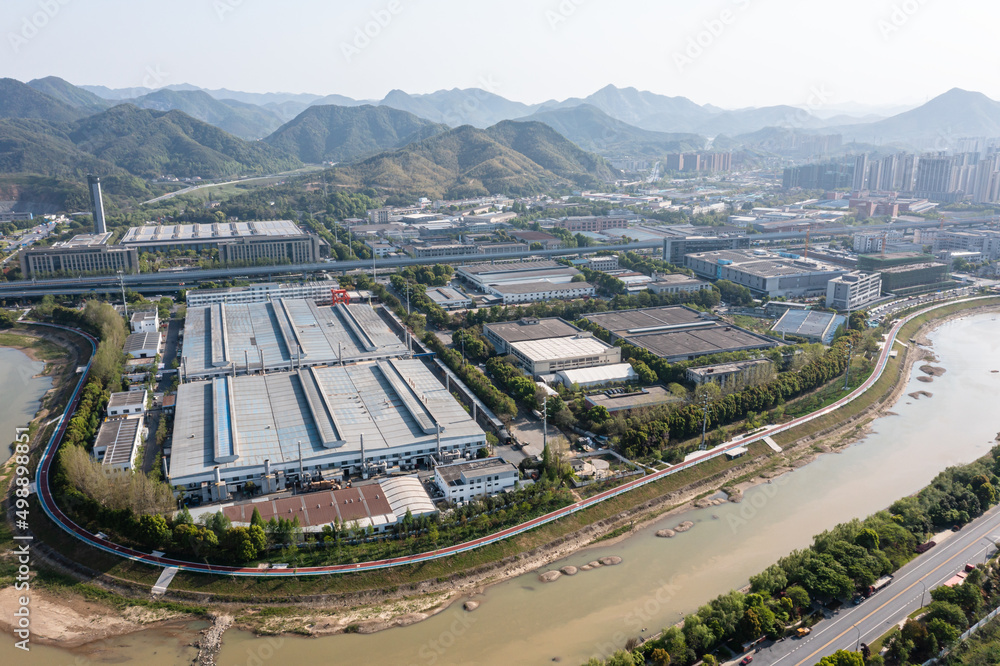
(847, 370)
(407, 298)
(545, 422)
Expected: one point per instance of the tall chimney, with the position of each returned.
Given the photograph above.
(97, 204)
(439, 441)
(246, 358)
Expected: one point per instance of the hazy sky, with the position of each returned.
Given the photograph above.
(732, 53)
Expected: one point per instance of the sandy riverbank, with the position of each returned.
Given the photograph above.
(383, 610)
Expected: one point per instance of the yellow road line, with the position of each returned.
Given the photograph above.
(888, 601)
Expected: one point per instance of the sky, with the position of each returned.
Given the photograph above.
(818, 54)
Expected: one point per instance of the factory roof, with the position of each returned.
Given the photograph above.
(117, 436)
(556, 348)
(238, 422)
(455, 473)
(84, 240)
(139, 341)
(809, 324)
(542, 285)
(599, 374)
(626, 322)
(160, 233)
(530, 328)
(127, 399)
(509, 267)
(374, 504)
(701, 341)
(283, 331)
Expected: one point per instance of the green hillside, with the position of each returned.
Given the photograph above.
(328, 133)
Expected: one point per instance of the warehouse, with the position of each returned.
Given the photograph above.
(366, 418)
(540, 291)
(678, 333)
(516, 272)
(448, 298)
(118, 442)
(548, 356)
(604, 375)
(320, 292)
(142, 345)
(546, 346)
(623, 324)
(781, 275)
(127, 402)
(378, 505)
(252, 337)
(727, 374)
(502, 334)
(279, 241)
(651, 396)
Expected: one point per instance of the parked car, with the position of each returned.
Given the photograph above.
(746, 660)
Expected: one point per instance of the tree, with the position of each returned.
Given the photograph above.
(598, 414)
(867, 539)
(153, 530)
(7, 319)
(256, 518)
(660, 657)
(799, 596)
(945, 634)
(769, 581)
(646, 376)
(842, 658)
(948, 612)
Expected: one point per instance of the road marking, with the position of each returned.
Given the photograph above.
(888, 601)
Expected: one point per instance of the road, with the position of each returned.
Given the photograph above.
(909, 590)
(56, 514)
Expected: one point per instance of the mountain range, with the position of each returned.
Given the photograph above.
(450, 142)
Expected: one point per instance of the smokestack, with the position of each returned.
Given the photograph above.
(439, 441)
(97, 204)
(246, 358)
(218, 475)
(267, 467)
(300, 461)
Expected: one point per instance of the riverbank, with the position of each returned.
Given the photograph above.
(370, 611)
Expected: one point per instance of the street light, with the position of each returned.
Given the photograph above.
(847, 371)
(923, 591)
(857, 646)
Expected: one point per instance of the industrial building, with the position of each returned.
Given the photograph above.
(676, 283)
(81, 255)
(145, 322)
(378, 505)
(780, 275)
(284, 334)
(127, 403)
(118, 442)
(602, 375)
(319, 292)
(366, 417)
(546, 346)
(853, 290)
(540, 291)
(466, 480)
(278, 241)
(677, 333)
(143, 345)
(813, 325)
(448, 298)
(905, 272)
(725, 374)
(516, 272)
(675, 249)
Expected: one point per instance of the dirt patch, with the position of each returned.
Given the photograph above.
(69, 621)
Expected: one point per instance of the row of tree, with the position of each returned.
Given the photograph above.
(843, 562)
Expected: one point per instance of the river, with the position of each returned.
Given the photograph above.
(660, 580)
(21, 391)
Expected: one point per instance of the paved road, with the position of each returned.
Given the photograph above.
(62, 520)
(909, 590)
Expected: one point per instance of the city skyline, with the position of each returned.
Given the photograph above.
(525, 51)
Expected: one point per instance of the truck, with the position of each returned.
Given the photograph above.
(880, 584)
